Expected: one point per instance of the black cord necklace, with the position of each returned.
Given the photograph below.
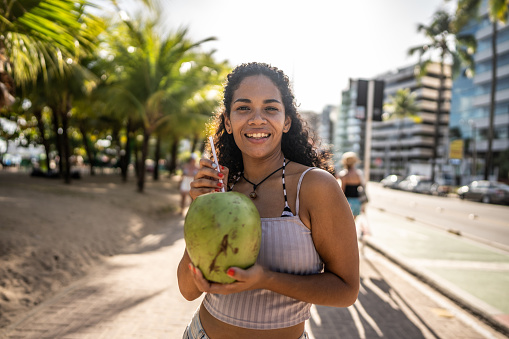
(253, 194)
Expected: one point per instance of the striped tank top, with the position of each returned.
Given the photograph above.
(287, 247)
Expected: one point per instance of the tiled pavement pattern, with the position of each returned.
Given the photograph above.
(136, 295)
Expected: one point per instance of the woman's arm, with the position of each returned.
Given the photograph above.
(185, 279)
(325, 209)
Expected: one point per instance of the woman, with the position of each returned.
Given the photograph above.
(309, 250)
(189, 170)
(351, 182)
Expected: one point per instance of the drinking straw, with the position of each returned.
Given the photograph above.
(215, 158)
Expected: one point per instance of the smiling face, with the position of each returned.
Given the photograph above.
(257, 117)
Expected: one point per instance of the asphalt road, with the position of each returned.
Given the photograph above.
(484, 222)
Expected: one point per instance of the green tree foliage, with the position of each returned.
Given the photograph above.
(39, 37)
(442, 39)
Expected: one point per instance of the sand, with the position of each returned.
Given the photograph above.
(52, 234)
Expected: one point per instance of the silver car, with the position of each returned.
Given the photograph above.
(493, 192)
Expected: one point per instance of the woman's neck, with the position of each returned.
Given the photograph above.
(257, 169)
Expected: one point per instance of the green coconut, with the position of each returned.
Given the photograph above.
(222, 230)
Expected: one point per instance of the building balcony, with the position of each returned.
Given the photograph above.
(433, 105)
(498, 145)
(485, 77)
(486, 54)
(382, 144)
(435, 82)
(382, 132)
(484, 100)
(434, 68)
(431, 117)
(414, 153)
(487, 32)
(391, 88)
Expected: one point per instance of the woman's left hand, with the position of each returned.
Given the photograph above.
(248, 279)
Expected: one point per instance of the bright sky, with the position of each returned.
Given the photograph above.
(319, 44)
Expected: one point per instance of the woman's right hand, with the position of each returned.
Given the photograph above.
(208, 179)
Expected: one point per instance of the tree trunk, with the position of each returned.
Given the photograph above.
(125, 154)
(494, 62)
(86, 144)
(65, 140)
(42, 132)
(173, 155)
(196, 140)
(55, 121)
(144, 152)
(157, 156)
(136, 159)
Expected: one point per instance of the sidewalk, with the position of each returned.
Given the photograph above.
(135, 295)
(473, 274)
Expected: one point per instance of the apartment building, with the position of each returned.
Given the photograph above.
(470, 104)
(400, 146)
(405, 145)
(348, 133)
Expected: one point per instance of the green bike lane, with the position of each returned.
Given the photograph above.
(471, 273)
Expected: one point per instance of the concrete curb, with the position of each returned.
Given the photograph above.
(447, 292)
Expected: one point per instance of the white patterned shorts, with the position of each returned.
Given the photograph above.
(195, 331)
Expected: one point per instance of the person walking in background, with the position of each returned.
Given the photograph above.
(309, 248)
(355, 191)
(189, 170)
(351, 182)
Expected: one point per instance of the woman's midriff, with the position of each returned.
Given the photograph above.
(218, 329)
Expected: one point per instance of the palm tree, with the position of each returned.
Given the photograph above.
(37, 36)
(148, 83)
(498, 12)
(459, 48)
(400, 106)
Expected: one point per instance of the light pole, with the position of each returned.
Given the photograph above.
(471, 123)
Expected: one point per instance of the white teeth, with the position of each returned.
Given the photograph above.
(257, 135)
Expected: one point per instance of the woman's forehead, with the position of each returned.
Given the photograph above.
(257, 86)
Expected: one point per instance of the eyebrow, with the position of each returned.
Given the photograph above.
(268, 101)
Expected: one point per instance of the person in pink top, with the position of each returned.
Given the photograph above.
(309, 251)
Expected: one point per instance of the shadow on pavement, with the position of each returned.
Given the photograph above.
(378, 312)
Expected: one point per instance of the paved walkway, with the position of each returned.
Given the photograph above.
(135, 295)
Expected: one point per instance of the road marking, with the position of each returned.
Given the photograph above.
(477, 265)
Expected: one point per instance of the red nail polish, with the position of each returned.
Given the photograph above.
(217, 190)
(221, 175)
(222, 168)
(230, 272)
(219, 184)
(190, 267)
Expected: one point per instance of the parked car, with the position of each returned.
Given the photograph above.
(391, 181)
(423, 186)
(486, 191)
(410, 183)
(440, 190)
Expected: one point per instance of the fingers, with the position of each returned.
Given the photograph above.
(201, 283)
(204, 285)
(208, 179)
(245, 280)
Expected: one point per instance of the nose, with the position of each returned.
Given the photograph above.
(257, 117)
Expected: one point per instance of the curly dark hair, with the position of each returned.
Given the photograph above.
(298, 144)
